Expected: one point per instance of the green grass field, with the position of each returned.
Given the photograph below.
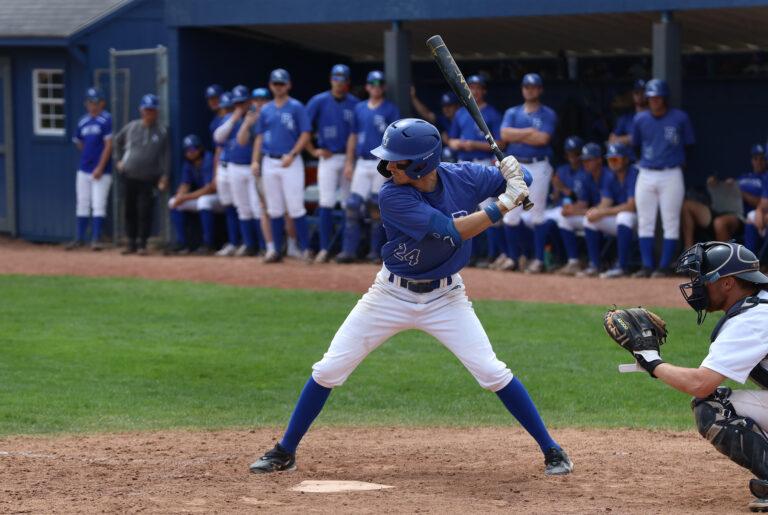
(80, 355)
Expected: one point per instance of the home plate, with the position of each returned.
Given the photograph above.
(336, 486)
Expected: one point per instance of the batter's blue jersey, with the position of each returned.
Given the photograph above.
(587, 189)
(333, 119)
(543, 119)
(464, 127)
(620, 192)
(370, 124)
(662, 140)
(236, 153)
(91, 132)
(566, 175)
(411, 251)
(198, 176)
(282, 126)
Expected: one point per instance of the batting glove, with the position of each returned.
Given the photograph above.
(510, 168)
(515, 193)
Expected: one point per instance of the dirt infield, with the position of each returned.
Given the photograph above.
(435, 470)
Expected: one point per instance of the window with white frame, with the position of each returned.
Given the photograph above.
(48, 100)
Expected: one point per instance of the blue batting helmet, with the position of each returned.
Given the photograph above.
(240, 94)
(375, 77)
(149, 101)
(757, 148)
(617, 150)
(639, 84)
(532, 78)
(590, 151)
(94, 95)
(414, 140)
(448, 98)
(340, 69)
(261, 93)
(226, 100)
(279, 75)
(656, 88)
(214, 90)
(191, 141)
(476, 79)
(573, 143)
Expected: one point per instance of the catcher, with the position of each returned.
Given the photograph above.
(723, 277)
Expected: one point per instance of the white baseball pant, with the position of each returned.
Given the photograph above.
(91, 194)
(752, 404)
(550, 213)
(367, 180)
(244, 192)
(610, 224)
(223, 184)
(330, 178)
(387, 309)
(541, 171)
(283, 187)
(659, 189)
(209, 202)
(570, 223)
(751, 220)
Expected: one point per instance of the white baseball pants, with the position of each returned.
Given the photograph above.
(283, 187)
(91, 194)
(610, 224)
(223, 185)
(209, 202)
(244, 192)
(659, 189)
(752, 404)
(367, 180)
(330, 178)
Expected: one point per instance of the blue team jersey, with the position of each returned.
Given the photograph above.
(543, 119)
(282, 126)
(624, 125)
(764, 193)
(587, 189)
(410, 250)
(91, 132)
(442, 123)
(464, 127)
(620, 192)
(235, 153)
(566, 175)
(197, 177)
(333, 119)
(370, 124)
(662, 140)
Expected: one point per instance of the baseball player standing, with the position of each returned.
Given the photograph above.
(726, 277)
(94, 174)
(622, 133)
(332, 113)
(528, 129)
(663, 138)
(370, 122)
(221, 178)
(429, 211)
(283, 130)
(213, 97)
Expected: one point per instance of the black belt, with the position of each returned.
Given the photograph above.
(529, 160)
(275, 156)
(659, 169)
(418, 286)
(238, 163)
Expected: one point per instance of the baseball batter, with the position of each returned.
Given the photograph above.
(332, 113)
(528, 129)
(223, 183)
(663, 138)
(428, 209)
(283, 130)
(94, 174)
(725, 277)
(370, 121)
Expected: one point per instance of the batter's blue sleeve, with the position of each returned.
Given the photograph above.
(406, 211)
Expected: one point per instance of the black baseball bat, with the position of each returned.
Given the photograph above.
(456, 81)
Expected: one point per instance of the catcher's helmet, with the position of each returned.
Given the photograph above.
(573, 143)
(413, 140)
(240, 94)
(656, 88)
(710, 261)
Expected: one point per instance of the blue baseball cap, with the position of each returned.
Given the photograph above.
(573, 143)
(240, 93)
(476, 79)
(590, 151)
(226, 100)
(448, 98)
(94, 95)
(214, 90)
(375, 77)
(532, 78)
(149, 101)
(639, 84)
(340, 70)
(260, 93)
(279, 75)
(191, 141)
(757, 148)
(617, 150)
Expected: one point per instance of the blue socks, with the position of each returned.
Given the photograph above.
(519, 403)
(593, 246)
(513, 241)
(278, 231)
(206, 220)
(233, 225)
(98, 223)
(246, 230)
(667, 252)
(302, 232)
(623, 241)
(311, 402)
(82, 226)
(646, 251)
(540, 239)
(325, 226)
(177, 221)
(351, 236)
(571, 245)
(751, 238)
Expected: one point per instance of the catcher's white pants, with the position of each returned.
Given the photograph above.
(387, 309)
(330, 177)
(752, 404)
(366, 180)
(244, 192)
(541, 171)
(223, 184)
(92, 194)
(209, 202)
(610, 224)
(659, 189)
(283, 187)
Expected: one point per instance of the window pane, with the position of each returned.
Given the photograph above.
(57, 93)
(42, 77)
(58, 109)
(58, 123)
(57, 78)
(45, 123)
(42, 92)
(45, 108)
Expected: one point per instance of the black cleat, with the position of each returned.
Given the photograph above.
(557, 462)
(345, 258)
(276, 460)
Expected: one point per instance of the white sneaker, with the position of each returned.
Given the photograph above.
(508, 265)
(227, 250)
(294, 252)
(613, 273)
(498, 261)
(572, 268)
(271, 257)
(536, 267)
(241, 251)
(590, 271)
(322, 257)
(307, 257)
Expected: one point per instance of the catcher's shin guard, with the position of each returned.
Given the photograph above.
(739, 438)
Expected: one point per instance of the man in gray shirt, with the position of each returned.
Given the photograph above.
(143, 158)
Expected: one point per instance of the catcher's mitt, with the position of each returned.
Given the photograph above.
(639, 331)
